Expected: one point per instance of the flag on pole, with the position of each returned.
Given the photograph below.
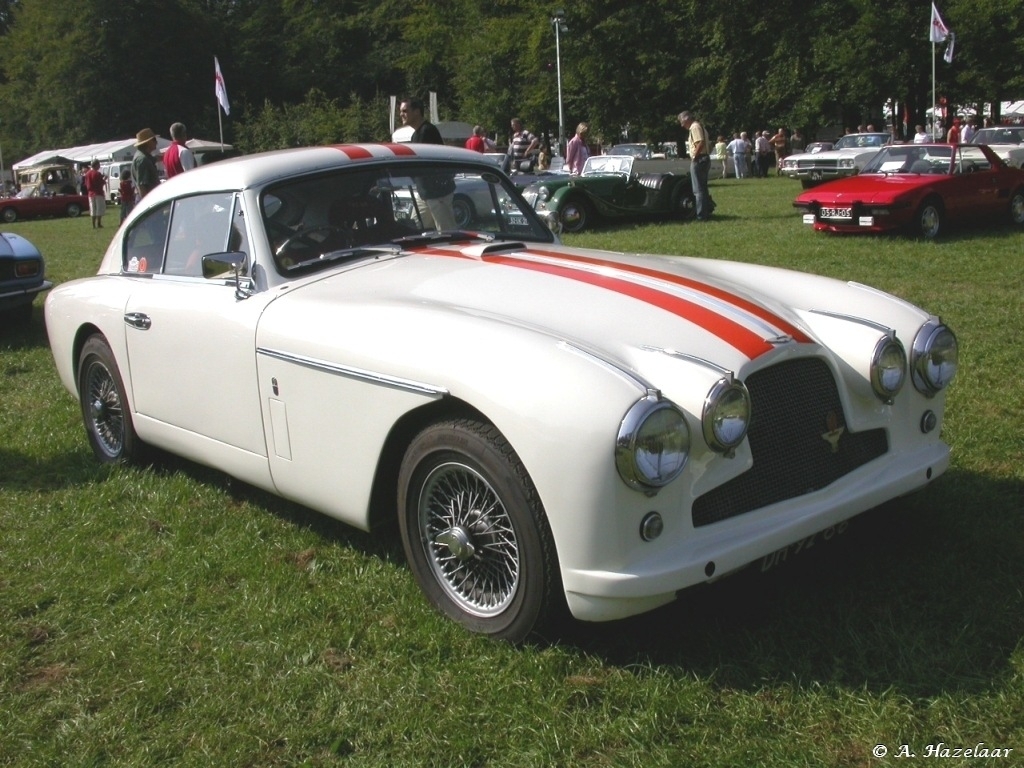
(948, 55)
(219, 88)
(939, 31)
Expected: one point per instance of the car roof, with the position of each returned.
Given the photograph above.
(265, 167)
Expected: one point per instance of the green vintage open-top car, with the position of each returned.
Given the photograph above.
(609, 189)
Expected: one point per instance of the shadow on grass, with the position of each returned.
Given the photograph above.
(24, 335)
(920, 596)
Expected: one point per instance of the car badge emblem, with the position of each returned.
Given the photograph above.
(835, 431)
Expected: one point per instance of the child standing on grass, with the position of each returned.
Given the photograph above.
(126, 193)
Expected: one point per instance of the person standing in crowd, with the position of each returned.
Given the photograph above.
(953, 136)
(969, 131)
(576, 151)
(178, 158)
(780, 143)
(921, 136)
(523, 144)
(796, 142)
(437, 190)
(96, 187)
(699, 148)
(763, 149)
(126, 193)
(143, 166)
(424, 131)
(722, 154)
(739, 149)
(476, 141)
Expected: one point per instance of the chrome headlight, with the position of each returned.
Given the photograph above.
(846, 162)
(653, 444)
(726, 415)
(543, 194)
(935, 358)
(888, 368)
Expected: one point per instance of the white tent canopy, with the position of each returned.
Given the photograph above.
(106, 152)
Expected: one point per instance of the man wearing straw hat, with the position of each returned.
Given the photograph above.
(143, 166)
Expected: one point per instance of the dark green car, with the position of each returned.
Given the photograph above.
(609, 190)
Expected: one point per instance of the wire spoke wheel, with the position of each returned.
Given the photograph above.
(469, 539)
(475, 533)
(105, 413)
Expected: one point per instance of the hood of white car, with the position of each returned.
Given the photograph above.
(620, 306)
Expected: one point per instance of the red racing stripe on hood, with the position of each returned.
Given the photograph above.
(737, 301)
(732, 333)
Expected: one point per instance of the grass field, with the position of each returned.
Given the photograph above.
(167, 616)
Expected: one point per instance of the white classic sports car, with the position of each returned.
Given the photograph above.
(550, 427)
(846, 158)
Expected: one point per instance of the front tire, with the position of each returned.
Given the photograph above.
(101, 393)
(575, 214)
(475, 533)
(9, 215)
(73, 211)
(929, 219)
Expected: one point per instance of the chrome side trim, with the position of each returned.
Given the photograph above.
(355, 373)
(859, 320)
(690, 359)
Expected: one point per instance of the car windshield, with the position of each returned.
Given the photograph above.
(633, 150)
(600, 165)
(998, 136)
(910, 158)
(316, 220)
(854, 140)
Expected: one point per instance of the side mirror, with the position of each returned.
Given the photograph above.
(220, 265)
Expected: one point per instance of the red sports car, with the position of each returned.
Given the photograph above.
(31, 204)
(920, 188)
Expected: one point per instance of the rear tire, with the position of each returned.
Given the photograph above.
(1017, 208)
(475, 533)
(105, 413)
(74, 210)
(463, 210)
(10, 215)
(683, 203)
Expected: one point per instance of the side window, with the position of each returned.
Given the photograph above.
(144, 243)
(199, 225)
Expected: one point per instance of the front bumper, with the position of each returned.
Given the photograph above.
(11, 298)
(717, 550)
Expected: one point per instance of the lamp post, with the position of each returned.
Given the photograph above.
(558, 22)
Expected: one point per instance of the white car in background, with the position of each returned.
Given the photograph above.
(848, 155)
(549, 428)
(1007, 141)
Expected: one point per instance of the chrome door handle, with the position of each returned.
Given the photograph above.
(138, 320)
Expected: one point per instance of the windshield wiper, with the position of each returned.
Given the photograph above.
(347, 253)
(448, 236)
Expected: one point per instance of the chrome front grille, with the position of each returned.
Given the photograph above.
(823, 164)
(799, 440)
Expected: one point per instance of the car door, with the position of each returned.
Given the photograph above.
(191, 340)
(973, 187)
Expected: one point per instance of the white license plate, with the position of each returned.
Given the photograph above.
(797, 548)
(835, 213)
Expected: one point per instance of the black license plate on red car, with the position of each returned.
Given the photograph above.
(835, 213)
